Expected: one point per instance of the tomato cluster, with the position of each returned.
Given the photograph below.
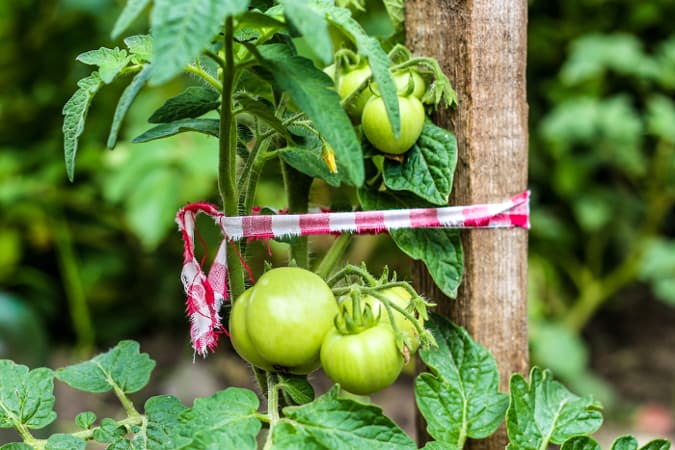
(290, 322)
(367, 108)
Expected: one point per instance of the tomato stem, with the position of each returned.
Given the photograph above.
(349, 270)
(205, 76)
(227, 156)
(333, 255)
(272, 405)
(297, 187)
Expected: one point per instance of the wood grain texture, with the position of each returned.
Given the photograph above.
(481, 46)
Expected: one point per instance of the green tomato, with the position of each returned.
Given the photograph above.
(348, 83)
(239, 334)
(289, 312)
(362, 363)
(400, 297)
(401, 79)
(377, 128)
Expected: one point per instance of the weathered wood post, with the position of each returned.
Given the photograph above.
(481, 46)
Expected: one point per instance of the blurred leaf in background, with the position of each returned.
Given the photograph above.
(86, 259)
(602, 169)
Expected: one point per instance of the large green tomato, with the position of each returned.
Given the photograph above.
(239, 334)
(377, 128)
(348, 83)
(289, 312)
(400, 297)
(362, 363)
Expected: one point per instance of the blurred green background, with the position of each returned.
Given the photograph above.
(86, 264)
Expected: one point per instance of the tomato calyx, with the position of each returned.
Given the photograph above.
(355, 318)
(388, 301)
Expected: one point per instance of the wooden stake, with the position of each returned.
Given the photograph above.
(481, 46)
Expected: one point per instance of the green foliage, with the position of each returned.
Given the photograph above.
(337, 423)
(182, 29)
(460, 398)
(309, 89)
(227, 419)
(428, 168)
(26, 396)
(611, 119)
(122, 369)
(621, 443)
(544, 412)
(601, 170)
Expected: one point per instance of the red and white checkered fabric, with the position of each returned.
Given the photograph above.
(206, 293)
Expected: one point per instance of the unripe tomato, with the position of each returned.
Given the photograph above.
(239, 334)
(377, 128)
(289, 312)
(362, 363)
(348, 83)
(401, 79)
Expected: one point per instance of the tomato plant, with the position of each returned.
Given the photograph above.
(258, 88)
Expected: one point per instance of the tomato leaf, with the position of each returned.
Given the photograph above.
(110, 61)
(428, 168)
(630, 443)
(297, 388)
(75, 113)
(163, 421)
(124, 103)
(85, 419)
(625, 443)
(210, 127)
(192, 102)
(544, 411)
(311, 90)
(182, 28)
(439, 248)
(131, 11)
(338, 423)
(460, 398)
(140, 47)
(123, 367)
(16, 446)
(311, 22)
(378, 61)
(65, 442)
(227, 419)
(582, 443)
(111, 432)
(26, 396)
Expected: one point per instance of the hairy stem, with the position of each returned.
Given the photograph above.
(297, 186)
(201, 73)
(227, 157)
